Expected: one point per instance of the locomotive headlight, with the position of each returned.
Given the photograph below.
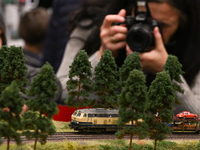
(77, 122)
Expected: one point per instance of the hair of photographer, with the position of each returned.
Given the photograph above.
(32, 29)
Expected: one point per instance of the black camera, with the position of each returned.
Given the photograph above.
(140, 28)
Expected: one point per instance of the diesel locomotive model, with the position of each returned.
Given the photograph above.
(95, 120)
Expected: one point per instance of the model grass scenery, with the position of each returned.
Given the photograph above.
(124, 90)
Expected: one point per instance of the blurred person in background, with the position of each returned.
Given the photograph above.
(58, 31)
(32, 29)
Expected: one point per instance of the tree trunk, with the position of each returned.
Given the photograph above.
(155, 144)
(79, 88)
(8, 143)
(131, 136)
(36, 134)
(35, 143)
(130, 141)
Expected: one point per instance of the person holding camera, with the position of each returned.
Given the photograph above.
(177, 33)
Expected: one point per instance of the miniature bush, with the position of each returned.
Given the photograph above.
(167, 144)
(198, 145)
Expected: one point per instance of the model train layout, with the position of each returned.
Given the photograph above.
(103, 120)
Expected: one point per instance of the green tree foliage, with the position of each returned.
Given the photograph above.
(79, 84)
(175, 70)
(106, 81)
(10, 120)
(133, 103)
(37, 126)
(161, 98)
(12, 67)
(43, 88)
(131, 62)
(174, 67)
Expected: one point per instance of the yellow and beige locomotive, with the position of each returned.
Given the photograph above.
(95, 120)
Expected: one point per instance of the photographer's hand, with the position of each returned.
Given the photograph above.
(154, 60)
(113, 37)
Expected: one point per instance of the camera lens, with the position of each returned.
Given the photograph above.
(139, 38)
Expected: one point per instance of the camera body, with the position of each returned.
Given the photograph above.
(140, 28)
(140, 32)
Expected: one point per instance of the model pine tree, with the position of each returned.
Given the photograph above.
(106, 81)
(175, 70)
(79, 84)
(12, 67)
(10, 120)
(43, 88)
(37, 126)
(161, 98)
(133, 103)
(131, 62)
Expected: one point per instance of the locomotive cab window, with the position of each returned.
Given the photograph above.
(75, 113)
(85, 115)
(79, 114)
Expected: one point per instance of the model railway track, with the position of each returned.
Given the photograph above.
(70, 136)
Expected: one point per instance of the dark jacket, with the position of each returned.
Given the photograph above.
(57, 35)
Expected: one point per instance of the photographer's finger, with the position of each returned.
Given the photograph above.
(158, 38)
(128, 50)
(110, 19)
(117, 29)
(122, 13)
(116, 46)
(118, 37)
